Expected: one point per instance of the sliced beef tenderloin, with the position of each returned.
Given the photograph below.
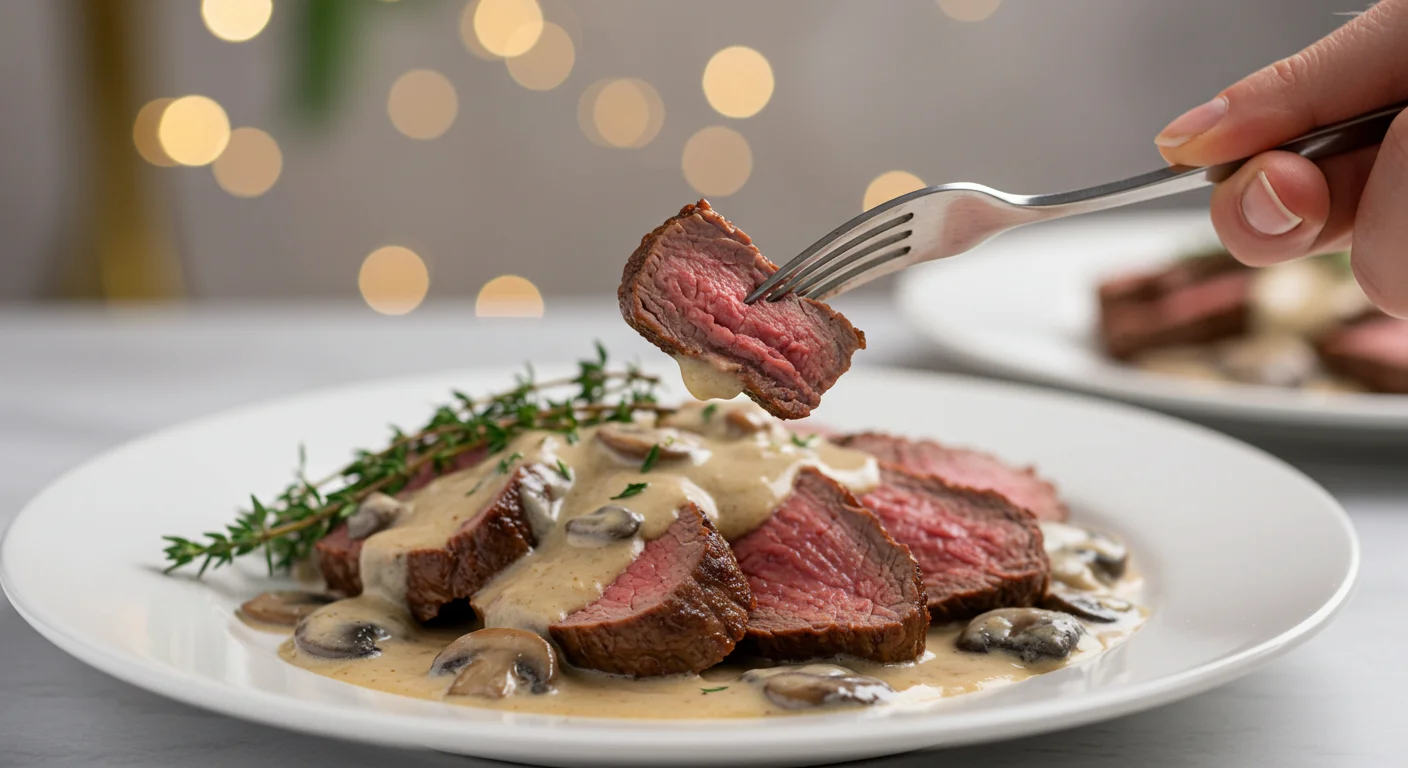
(1193, 301)
(1372, 351)
(964, 467)
(683, 290)
(682, 606)
(977, 550)
(829, 581)
(484, 545)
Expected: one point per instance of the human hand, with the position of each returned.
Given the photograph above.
(1281, 206)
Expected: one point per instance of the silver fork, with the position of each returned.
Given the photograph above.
(946, 220)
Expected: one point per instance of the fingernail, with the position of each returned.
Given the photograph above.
(1193, 123)
(1263, 209)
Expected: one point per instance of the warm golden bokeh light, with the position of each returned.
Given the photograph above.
(717, 161)
(888, 186)
(144, 130)
(193, 130)
(468, 36)
(621, 112)
(422, 104)
(236, 20)
(546, 64)
(509, 296)
(393, 280)
(250, 165)
(969, 10)
(508, 27)
(738, 82)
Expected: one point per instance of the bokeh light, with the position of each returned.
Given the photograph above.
(393, 280)
(468, 36)
(250, 165)
(193, 130)
(236, 20)
(717, 161)
(621, 112)
(509, 296)
(969, 10)
(422, 104)
(508, 27)
(144, 133)
(738, 82)
(888, 186)
(546, 64)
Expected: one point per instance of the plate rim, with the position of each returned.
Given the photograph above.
(1239, 403)
(783, 737)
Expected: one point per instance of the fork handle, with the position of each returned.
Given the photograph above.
(1365, 130)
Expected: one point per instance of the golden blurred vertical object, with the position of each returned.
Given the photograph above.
(119, 253)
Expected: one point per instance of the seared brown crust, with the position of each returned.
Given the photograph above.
(1374, 373)
(893, 642)
(692, 628)
(760, 388)
(1024, 576)
(484, 545)
(1140, 313)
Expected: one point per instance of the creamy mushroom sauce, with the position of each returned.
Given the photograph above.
(732, 460)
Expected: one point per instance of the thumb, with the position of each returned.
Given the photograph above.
(1362, 65)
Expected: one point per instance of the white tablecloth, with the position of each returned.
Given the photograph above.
(76, 382)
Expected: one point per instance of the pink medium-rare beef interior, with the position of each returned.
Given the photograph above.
(681, 606)
(964, 467)
(683, 290)
(828, 580)
(976, 550)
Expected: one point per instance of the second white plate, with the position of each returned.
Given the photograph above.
(1023, 306)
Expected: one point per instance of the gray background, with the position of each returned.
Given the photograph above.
(1042, 96)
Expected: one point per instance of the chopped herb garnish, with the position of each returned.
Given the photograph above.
(713, 690)
(631, 490)
(285, 528)
(708, 412)
(506, 462)
(651, 456)
(564, 470)
(476, 488)
(803, 442)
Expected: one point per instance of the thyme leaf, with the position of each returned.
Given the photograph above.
(707, 691)
(564, 470)
(708, 413)
(631, 490)
(803, 442)
(285, 527)
(507, 462)
(651, 457)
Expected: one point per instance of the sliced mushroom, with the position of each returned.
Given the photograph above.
(745, 421)
(1083, 559)
(284, 608)
(494, 663)
(609, 523)
(819, 685)
(1032, 634)
(540, 490)
(1085, 605)
(1272, 360)
(375, 513)
(345, 630)
(635, 441)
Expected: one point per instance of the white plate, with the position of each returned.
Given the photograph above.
(1023, 306)
(1245, 558)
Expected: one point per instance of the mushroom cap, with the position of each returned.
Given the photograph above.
(819, 685)
(346, 629)
(1033, 634)
(609, 523)
(635, 441)
(1085, 605)
(284, 608)
(496, 662)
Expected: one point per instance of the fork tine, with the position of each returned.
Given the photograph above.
(825, 270)
(826, 262)
(876, 267)
(818, 252)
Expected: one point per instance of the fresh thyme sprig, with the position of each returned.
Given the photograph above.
(287, 528)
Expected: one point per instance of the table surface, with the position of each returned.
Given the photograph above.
(74, 383)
